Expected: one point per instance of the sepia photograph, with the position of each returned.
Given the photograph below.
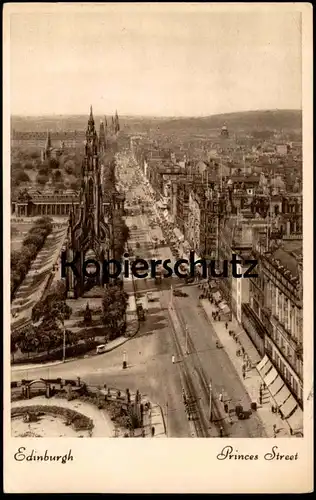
(156, 225)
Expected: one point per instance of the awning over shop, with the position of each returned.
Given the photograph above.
(288, 406)
(270, 376)
(282, 396)
(280, 393)
(264, 366)
(276, 386)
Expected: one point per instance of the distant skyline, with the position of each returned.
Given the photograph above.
(149, 61)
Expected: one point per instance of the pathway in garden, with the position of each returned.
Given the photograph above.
(103, 426)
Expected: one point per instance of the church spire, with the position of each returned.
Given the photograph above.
(91, 119)
(102, 137)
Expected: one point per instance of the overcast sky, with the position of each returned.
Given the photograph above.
(168, 63)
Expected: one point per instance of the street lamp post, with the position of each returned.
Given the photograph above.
(64, 345)
(210, 409)
(186, 340)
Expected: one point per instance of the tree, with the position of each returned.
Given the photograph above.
(21, 176)
(32, 243)
(60, 186)
(54, 163)
(28, 165)
(42, 179)
(69, 167)
(57, 176)
(75, 185)
(59, 289)
(52, 313)
(114, 306)
(14, 347)
(52, 308)
(33, 239)
(43, 169)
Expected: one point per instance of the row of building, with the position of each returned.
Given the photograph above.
(220, 212)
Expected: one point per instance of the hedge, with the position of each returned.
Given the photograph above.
(71, 352)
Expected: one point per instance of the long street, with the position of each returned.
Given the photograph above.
(205, 361)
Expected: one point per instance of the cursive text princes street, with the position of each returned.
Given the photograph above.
(228, 453)
(20, 456)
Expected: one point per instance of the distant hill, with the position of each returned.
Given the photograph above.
(286, 120)
(245, 120)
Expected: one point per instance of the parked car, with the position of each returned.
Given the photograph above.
(101, 348)
(179, 293)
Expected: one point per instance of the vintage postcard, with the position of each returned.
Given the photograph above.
(158, 265)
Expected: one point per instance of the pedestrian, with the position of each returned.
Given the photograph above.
(221, 431)
(226, 407)
(173, 359)
(220, 397)
(243, 375)
(152, 431)
(226, 325)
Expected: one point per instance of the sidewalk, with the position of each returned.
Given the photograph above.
(252, 380)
